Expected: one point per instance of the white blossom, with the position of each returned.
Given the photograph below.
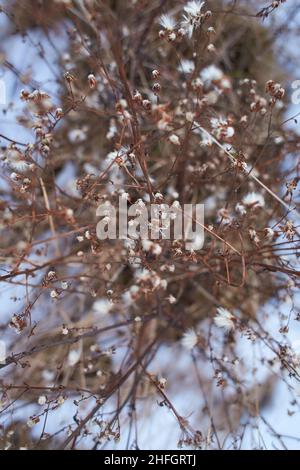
(16, 162)
(42, 400)
(186, 66)
(253, 198)
(189, 339)
(240, 209)
(64, 331)
(167, 22)
(174, 139)
(102, 307)
(74, 357)
(211, 73)
(54, 294)
(193, 8)
(171, 299)
(269, 233)
(77, 135)
(224, 319)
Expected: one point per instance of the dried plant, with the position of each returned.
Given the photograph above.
(157, 101)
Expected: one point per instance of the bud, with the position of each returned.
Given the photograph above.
(92, 81)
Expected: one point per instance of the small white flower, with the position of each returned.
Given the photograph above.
(64, 285)
(102, 307)
(253, 235)
(42, 400)
(64, 331)
(193, 8)
(174, 139)
(278, 140)
(186, 66)
(148, 245)
(162, 382)
(206, 140)
(254, 199)
(54, 294)
(167, 22)
(190, 116)
(211, 73)
(69, 212)
(211, 48)
(16, 162)
(171, 299)
(229, 132)
(224, 319)
(156, 249)
(189, 339)
(88, 235)
(77, 135)
(240, 209)
(60, 400)
(269, 233)
(74, 357)
(92, 80)
(48, 375)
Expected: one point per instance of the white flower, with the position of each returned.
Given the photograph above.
(48, 375)
(167, 22)
(269, 233)
(73, 357)
(192, 16)
(193, 8)
(216, 123)
(92, 80)
(189, 339)
(211, 73)
(162, 382)
(186, 66)
(174, 139)
(60, 400)
(146, 244)
(64, 331)
(224, 319)
(156, 249)
(221, 128)
(102, 307)
(30, 423)
(77, 135)
(15, 161)
(171, 299)
(229, 132)
(253, 198)
(54, 294)
(211, 48)
(42, 400)
(206, 140)
(240, 209)
(190, 116)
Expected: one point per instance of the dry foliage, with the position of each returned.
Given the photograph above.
(160, 101)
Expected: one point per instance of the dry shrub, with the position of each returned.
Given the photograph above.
(132, 91)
